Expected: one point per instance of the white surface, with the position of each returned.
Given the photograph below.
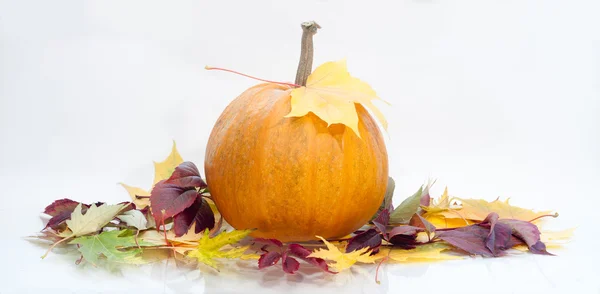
(492, 98)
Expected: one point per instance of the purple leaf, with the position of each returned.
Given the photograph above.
(268, 259)
(167, 200)
(370, 238)
(381, 222)
(404, 236)
(420, 222)
(186, 175)
(499, 237)
(528, 233)
(61, 210)
(303, 253)
(61, 205)
(471, 239)
(198, 213)
(289, 264)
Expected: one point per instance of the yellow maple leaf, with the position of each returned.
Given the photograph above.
(342, 260)
(209, 249)
(331, 93)
(162, 171)
(553, 240)
(423, 253)
(478, 210)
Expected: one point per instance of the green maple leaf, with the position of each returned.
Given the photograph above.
(116, 246)
(210, 248)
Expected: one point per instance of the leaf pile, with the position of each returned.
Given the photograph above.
(178, 218)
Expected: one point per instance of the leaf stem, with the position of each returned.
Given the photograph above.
(249, 76)
(545, 215)
(54, 245)
(309, 29)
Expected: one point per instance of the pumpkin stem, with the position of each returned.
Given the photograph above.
(309, 29)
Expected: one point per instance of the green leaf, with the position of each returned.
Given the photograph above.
(404, 212)
(210, 248)
(116, 246)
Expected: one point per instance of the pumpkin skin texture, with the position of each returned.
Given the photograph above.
(293, 178)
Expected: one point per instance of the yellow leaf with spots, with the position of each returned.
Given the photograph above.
(342, 260)
(423, 253)
(162, 171)
(331, 94)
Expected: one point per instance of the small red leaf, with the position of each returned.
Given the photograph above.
(420, 222)
(299, 251)
(381, 222)
(170, 199)
(268, 259)
(186, 175)
(61, 205)
(290, 265)
(198, 213)
(529, 233)
(404, 236)
(370, 238)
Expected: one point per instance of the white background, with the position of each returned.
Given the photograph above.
(492, 98)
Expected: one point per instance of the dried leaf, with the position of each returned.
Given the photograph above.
(478, 209)
(93, 220)
(381, 222)
(134, 218)
(404, 236)
(387, 199)
(424, 253)
(60, 210)
(164, 169)
(343, 261)
(528, 233)
(419, 222)
(331, 94)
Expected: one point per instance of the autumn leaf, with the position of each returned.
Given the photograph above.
(135, 193)
(343, 261)
(116, 246)
(93, 220)
(186, 175)
(167, 200)
(60, 210)
(331, 94)
(370, 238)
(528, 233)
(424, 253)
(198, 214)
(134, 218)
(209, 249)
(387, 199)
(438, 205)
(404, 212)
(162, 171)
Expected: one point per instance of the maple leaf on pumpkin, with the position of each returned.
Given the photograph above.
(331, 94)
(116, 246)
(343, 261)
(209, 249)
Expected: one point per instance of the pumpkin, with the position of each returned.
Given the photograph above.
(293, 178)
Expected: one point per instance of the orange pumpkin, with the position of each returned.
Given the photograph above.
(293, 178)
